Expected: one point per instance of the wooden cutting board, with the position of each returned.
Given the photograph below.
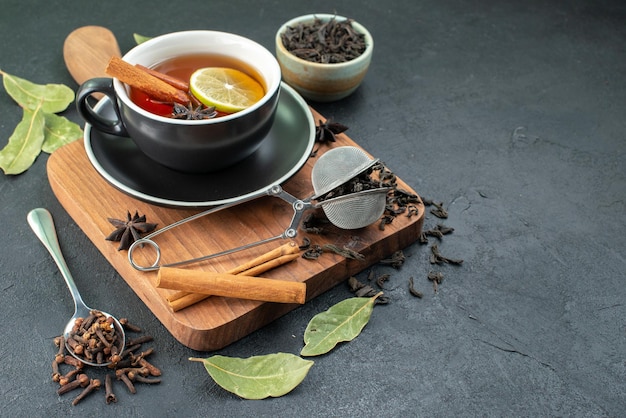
(218, 321)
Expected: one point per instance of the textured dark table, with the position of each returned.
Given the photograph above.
(511, 113)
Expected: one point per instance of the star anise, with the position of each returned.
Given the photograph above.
(326, 131)
(130, 230)
(193, 113)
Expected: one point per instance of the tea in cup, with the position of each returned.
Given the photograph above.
(164, 130)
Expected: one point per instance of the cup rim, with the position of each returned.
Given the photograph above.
(272, 89)
(366, 55)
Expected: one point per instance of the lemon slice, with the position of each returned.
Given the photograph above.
(227, 89)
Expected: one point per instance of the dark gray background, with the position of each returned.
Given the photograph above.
(510, 112)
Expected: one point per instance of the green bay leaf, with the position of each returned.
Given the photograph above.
(139, 39)
(341, 322)
(58, 132)
(257, 377)
(52, 98)
(24, 144)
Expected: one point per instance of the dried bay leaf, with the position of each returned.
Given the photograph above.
(341, 322)
(52, 98)
(24, 144)
(257, 377)
(59, 131)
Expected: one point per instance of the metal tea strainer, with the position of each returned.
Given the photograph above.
(333, 169)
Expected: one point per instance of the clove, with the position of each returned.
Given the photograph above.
(139, 340)
(66, 378)
(93, 384)
(55, 371)
(137, 370)
(115, 356)
(87, 322)
(109, 396)
(142, 379)
(104, 340)
(124, 378)
(81, 380)
(127, 325)
(96, 338)
(134, 359)
(129, 349)
(92, 338)
(75, 346)
(60, 356)
(152, 369)
(72, 361)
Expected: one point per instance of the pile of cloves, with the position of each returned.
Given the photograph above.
(95, 339)
(130, 366)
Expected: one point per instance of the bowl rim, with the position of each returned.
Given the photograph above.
(366, 55)
(271, 92)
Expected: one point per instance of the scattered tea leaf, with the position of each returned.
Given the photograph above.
(51, 98)
(439, 210)
(341, 322)
(437, 258)
(344, 252)
(413, 291)
(363, 290)
(58, 132)
(24, 144)
(436, 277)
(139, 39)
(257, 377)
(396, 260)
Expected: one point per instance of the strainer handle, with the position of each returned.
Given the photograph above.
(299, 206)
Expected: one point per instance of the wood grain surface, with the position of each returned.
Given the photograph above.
(218, 321)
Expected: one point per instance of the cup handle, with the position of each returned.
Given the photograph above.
(102, 85)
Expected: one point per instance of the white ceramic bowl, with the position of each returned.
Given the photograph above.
(323, 82)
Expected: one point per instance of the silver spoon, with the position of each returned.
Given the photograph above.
(42, 224)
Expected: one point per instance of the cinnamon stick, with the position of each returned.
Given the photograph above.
(189, 298)
(285, 249)
(139, 79)
(232, 285)
(172, 81)
(269, 265)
